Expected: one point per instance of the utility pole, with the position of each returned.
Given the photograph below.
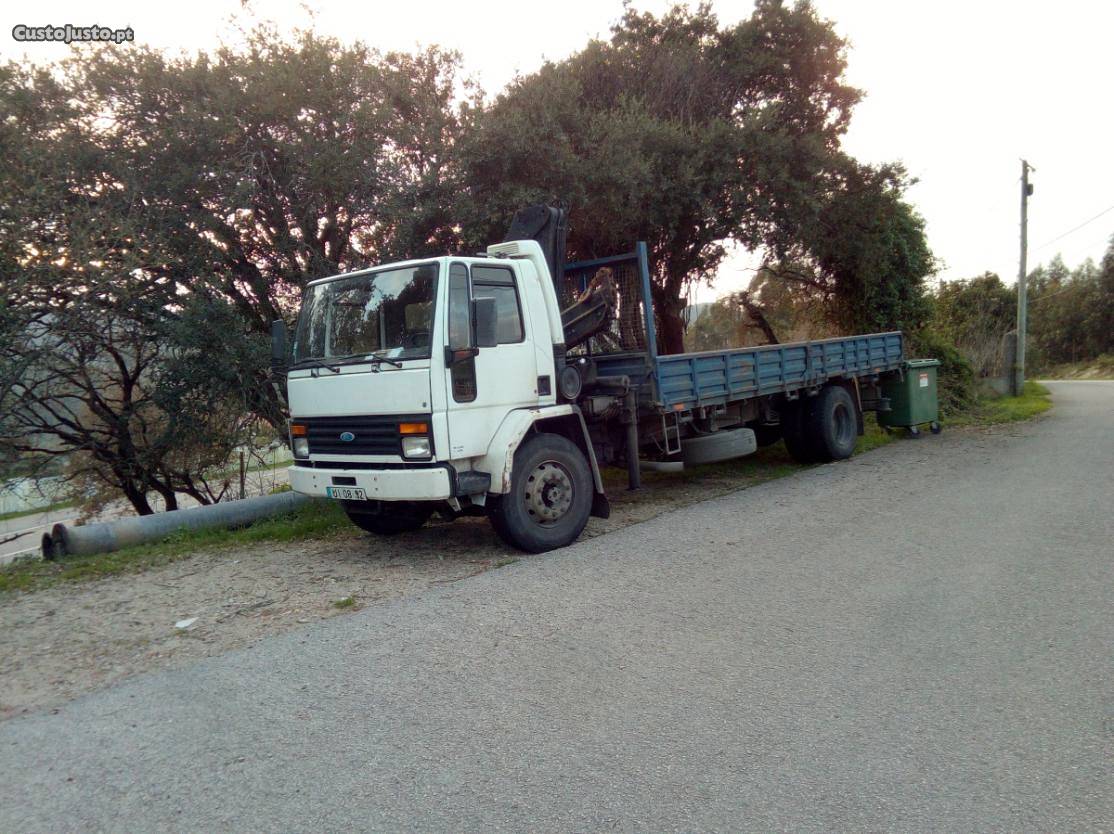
(1022, 301)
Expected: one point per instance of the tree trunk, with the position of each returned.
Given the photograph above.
(190, 488)
(671, 326)
(671, 331)
(138, 499)
(170, 499)
(758, 317)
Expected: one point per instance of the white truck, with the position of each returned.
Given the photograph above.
(463, 385)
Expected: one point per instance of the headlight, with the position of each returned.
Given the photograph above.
(415, 447)
(301, 447)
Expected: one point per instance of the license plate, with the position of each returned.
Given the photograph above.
(346, 493)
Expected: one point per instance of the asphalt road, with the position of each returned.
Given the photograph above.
(919, 639)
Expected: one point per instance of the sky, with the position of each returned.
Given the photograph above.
(958, 91)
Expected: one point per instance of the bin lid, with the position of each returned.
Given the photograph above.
(921, 363)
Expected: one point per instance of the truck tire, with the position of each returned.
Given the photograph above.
(550, 497)
(727, 444)
(831, 424)
(798, 441)
(388, 518)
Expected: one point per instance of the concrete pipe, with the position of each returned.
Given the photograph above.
(86, 539)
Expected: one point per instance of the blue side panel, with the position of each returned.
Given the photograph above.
(689, 380)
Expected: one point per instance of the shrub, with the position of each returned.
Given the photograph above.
(955, 376)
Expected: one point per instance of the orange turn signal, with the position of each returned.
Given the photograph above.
(413, 428)
(297, 429)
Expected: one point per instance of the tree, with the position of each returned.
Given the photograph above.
(156, 214)
(101, 386)
(975, 316)
(1071, 312)
(675, 131)
(869, 250)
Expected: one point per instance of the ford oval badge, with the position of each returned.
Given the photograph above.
(347, 436)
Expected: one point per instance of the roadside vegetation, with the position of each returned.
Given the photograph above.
(1035, 399)
(313, 520)
(1101, 367)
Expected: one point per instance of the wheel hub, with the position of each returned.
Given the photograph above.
(844, 425)
(549, 493)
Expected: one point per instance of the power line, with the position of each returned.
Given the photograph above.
(1077, 228)
(1050, 295)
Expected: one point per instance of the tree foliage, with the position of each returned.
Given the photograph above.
(1071, 315)
(157, 213)
(869, 251)
(975, 315)
(676, 131)
(1071, 312)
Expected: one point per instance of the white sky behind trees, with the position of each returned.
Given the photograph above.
(958, 91)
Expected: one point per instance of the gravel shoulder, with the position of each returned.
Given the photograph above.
(67, 640)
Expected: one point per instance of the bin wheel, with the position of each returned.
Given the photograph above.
(935, 427)
(914, 431)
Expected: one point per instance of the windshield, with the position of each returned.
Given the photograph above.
(388, 313)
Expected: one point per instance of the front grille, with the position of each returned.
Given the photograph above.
(372, 435)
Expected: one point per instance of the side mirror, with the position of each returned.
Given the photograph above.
(483, 314)
(278, 345)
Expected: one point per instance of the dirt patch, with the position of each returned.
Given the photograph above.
(69, 639)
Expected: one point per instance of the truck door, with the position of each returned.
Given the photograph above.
(484, 387)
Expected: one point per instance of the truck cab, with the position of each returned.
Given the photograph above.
(412, 387)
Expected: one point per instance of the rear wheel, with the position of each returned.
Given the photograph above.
(550, 497)
(388, 518)
(831, 424)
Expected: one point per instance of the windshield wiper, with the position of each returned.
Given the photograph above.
(348, 359)
(313, 365)
(375, 357)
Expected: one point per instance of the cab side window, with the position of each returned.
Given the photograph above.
(498, 282)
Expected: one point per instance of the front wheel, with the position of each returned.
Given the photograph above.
(550, 496)
(387, 518)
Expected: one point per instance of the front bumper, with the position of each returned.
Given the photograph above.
(426, 484)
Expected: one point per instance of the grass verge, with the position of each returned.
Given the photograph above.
(315, 519)
(1035, 399)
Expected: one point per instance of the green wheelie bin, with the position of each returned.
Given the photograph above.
(912, 395)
